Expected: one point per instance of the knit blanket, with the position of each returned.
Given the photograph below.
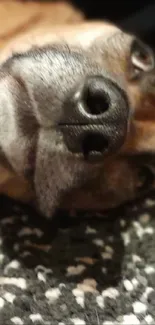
(79, 268)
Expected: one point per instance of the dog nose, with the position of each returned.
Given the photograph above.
(95, 97)
(98, 118)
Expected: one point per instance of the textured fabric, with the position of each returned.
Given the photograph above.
(79, 268)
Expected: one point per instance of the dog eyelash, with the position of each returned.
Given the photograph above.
(142, 58)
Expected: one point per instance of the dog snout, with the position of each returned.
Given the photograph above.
(98, 118)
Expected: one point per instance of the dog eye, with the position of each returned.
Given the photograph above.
(142, 58)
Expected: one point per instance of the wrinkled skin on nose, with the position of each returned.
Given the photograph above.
(95, 118)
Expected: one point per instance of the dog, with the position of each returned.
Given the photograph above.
(77, 117)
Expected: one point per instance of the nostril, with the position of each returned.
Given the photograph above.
(94, 145)
(96, 103)
(95, 99)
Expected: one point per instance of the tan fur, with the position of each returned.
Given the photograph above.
(20, 17)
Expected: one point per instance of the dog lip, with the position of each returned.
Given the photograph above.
(95, 157)
(31, 158)
(147, 177)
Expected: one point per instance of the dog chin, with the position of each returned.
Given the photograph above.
(52, 183)
(57, 171)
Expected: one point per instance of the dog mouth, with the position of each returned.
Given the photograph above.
(144, 166)
(146, 178)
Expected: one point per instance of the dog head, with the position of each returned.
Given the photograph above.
(75, 107)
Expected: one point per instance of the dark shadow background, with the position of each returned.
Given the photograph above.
(135, 16)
